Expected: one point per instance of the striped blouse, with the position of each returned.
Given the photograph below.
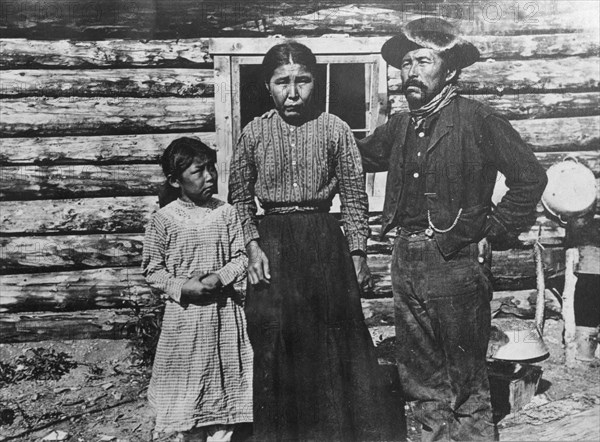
(286, 165)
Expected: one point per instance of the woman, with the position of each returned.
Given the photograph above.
(315, 373)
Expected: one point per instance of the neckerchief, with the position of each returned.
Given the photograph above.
(442, 99)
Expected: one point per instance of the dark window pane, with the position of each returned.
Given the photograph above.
(347, 93)
(320, 92)
(254, 96)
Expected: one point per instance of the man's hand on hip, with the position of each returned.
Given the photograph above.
(485, 251)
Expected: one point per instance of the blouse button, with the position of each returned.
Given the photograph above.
(295, 184)
(421, 134)
(418, 154)
(293, 144)
(294, 163)
(416, 175)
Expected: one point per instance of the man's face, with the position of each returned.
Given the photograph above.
(423, 76)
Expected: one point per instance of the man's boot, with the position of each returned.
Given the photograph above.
(587, 341)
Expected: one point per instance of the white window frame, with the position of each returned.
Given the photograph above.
(229, 53)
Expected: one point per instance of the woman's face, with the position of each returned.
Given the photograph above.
(291, 87)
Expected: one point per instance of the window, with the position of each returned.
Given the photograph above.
(351, 83)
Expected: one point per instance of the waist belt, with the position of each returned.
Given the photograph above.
(407, 233)
(301, 208)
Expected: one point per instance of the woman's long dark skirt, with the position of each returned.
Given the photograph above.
(316, 376)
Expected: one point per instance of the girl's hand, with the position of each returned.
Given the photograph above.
(199, 285)
(258, 264)
(363, 273)
(211, 282)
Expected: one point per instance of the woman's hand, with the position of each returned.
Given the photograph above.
(258, 264)
(363, 273)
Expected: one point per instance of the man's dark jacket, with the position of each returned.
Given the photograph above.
(469, 145)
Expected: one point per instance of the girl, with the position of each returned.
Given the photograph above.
(194, 251)
(315, 371)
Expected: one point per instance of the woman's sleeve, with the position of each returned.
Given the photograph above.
(235, 270)
(153, 261)
(355, 203)
(241, 185)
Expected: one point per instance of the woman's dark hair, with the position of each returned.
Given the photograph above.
(177, 157)
(286, 53)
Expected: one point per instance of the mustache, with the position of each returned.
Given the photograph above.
(413, 82)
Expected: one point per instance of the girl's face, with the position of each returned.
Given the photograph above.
(291, 87)
(197, 182)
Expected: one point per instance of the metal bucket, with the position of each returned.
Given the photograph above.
(571, 189)
(523, 344)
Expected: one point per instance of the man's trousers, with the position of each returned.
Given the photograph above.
(443, 325)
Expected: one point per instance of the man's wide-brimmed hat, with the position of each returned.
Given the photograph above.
(433, 33)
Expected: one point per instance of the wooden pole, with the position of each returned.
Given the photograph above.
(572, 257)
(540, 304)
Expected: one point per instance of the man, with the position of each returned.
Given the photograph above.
(443, 157)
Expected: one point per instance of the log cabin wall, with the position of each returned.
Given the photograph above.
(90, 99)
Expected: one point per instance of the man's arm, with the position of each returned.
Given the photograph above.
(375, 149)
(525, 179)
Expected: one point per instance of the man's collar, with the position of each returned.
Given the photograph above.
(426, 123)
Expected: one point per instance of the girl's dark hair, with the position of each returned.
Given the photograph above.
(177, 157)
(281, 54)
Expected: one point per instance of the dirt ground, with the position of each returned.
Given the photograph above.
(104, 398)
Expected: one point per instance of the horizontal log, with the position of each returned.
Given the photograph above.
(560, 134)
(474, 18)
(97, 324)
(24, 254)
(23, 53)
(107, 215)
(77, 290)
(143, 19)
(189, 18)
(102, 149)
(69, 252)
(78, 181)
(498, 47)
(529, 106)
(112, 287)
(568, 74)
(574, 417)
(581, 44)
(28, 53)
(552, 134)
(39, 116)
(512, 269)
(163, 82)
(520, 303)
(89, 215)
(591, 159)
(51, 182)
